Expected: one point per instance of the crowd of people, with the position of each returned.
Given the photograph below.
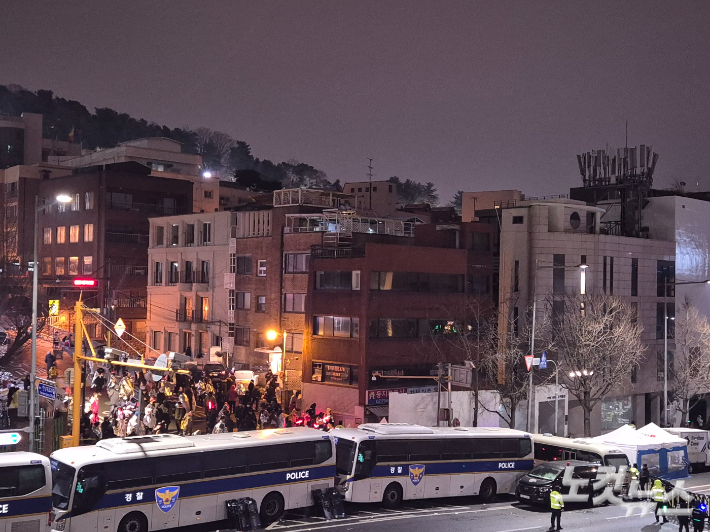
(150, 403)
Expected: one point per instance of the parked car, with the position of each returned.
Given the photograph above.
(535, 487)
(216, 372)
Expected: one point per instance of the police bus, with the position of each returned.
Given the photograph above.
(25, 492)
(161, 481)
(391, 462)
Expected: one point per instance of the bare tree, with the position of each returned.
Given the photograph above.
(202, 138)
(222, 143)
(690, 377)
(598, 343)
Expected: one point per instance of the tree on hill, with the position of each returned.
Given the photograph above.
(457, 202)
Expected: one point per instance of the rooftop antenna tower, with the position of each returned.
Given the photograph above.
(369, 175)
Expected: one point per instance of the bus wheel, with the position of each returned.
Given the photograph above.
(488, 490)
(691, 469)
(392, 495)
(272, 506)
(133, 522)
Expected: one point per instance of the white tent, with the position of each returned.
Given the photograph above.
(666, 455)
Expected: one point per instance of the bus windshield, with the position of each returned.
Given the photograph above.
(62, 483)
(616, 460)
(344, 456)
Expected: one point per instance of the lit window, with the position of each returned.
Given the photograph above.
(75, 202)
(88, 265)
(47, 266)
(73, 265)
(73, 233)
(59, 265)
(47, 235)
(88, 232)
(61, 233)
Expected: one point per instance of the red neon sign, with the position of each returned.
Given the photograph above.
(84, 282)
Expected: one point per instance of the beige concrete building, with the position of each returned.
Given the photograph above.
(188, 259)
(374, 198)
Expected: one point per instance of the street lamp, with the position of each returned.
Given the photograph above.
(60, 198)
(583, 267)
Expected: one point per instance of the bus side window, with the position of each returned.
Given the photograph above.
(525, 447)
(365, 460)
(90, 487)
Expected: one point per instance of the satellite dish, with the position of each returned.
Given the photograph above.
(160, 362)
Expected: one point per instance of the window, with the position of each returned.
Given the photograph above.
(88, 265)
(208, 194)
(207, 232)
(16, 481)
(668, 316)
(394, 328)
(558, 274)
(88, 201)
(294, 343)
(516, 322)
(159, 235)
(174, 235)
(75, 202)
(232, 300)
(516, 276)
(665, 277)
(73, 234)
(352, 189)
(47, 235)
(232, 263)
(73, 265)
(173, 273)
(661, 364)
(158, 340)
(416, 282)
(261, 268)
(481, 241)
(189, 234)
(243, 300)
(359, 189)
(374, 189)
(88, 232)
(61, 233)
(205, 271)
(47, 266)
(294, 302)
(338, 280)
(518, 220)
(205, 309)
(634, 277)
(342, 327)
(158, 274)
(61, 207)
(611, 276)
(260, 304)
(242, 336)
(244, 265)
(59, 265)
(296, 262)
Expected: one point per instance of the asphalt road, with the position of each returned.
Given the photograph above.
(466, 514)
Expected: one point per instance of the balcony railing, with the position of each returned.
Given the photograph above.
(326, 252)
(126, 238)
(122, 269)
(195, 316)
(183, 315)
(194, 277)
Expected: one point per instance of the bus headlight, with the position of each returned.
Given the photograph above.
(59, 525)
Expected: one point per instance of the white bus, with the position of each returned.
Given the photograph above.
(396, 461)
(164, 481)
(25, 492)
(551, 448)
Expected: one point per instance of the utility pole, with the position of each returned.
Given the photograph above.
(369, 175)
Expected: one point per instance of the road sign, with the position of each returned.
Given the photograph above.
(54, 307)
(529, 361)
(120, 327)
(461, 376)
(536, 361)
(543, 360)
(10, 438)
(46, 390)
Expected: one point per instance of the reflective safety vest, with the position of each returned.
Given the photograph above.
(634, 473)
(556, 502)
(658, 494)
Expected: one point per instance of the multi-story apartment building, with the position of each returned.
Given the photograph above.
(103, 233)
(375, 198)
(188, 260)
(374, 309)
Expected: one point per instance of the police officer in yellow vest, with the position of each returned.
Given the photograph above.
(556, 505)
(634, 472)
(659, 494)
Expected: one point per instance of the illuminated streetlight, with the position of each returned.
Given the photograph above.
(271, 335)
(60, 198)
(207, 174)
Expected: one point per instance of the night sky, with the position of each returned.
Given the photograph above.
(469, 95)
